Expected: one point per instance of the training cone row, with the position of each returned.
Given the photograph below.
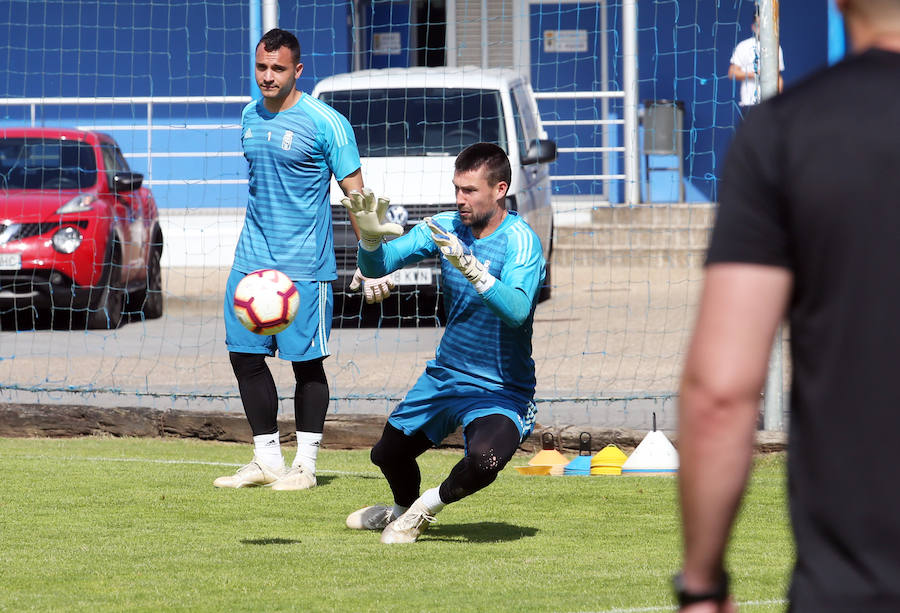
(655, 455)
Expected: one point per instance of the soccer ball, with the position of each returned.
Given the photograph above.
(266, 301)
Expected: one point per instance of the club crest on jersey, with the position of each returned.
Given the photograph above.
(286, 140)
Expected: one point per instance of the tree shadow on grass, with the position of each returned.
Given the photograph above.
(270, 541)
(482, 532)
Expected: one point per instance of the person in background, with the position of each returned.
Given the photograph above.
(744, 67)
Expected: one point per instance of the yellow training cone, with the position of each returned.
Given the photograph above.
(549, 456)
(608, 461)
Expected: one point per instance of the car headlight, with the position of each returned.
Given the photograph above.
(67, 240)
(81, 202)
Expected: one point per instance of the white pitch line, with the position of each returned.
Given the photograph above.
(746, 603)
(161, 461)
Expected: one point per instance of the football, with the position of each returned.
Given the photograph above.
(266, 301)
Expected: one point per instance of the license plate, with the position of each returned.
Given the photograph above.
(412, 276)
(13, 261)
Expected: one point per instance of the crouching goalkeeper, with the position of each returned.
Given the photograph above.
(482, 376)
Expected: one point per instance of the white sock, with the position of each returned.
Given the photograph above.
(398, 510)
(432, 500)
(307, 450)
(267, 449)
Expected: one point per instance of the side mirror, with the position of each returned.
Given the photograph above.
(540, 152)
(127, 181)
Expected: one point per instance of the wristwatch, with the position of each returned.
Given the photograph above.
(718, 594)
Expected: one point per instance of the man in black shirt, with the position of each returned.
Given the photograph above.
(808, 226)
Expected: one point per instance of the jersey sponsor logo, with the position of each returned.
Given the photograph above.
(286, 140)
(268, 136)
(249, 133)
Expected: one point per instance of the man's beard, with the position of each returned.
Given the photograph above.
(480, 223)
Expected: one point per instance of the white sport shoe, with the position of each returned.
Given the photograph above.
(376, 517)
(296, 478)
(409, 526)
(251, 475)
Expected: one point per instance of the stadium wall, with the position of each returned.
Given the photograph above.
(182, 48)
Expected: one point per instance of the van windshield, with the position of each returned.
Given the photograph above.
(420, 121)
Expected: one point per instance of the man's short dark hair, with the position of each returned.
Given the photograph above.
(489, 155)
(275, 39)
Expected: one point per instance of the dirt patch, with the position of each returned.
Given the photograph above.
(341, 431)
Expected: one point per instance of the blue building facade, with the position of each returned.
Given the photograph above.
(177, 48)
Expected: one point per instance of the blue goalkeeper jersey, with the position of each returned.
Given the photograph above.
(292, 155)
(478, 348)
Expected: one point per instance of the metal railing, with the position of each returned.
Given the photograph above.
(605, 176)
(148, 102)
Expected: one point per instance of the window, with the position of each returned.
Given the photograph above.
(46, 163)
(420, 121)
(527, 118)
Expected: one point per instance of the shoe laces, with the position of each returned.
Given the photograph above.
(413, 520)
(386, 515)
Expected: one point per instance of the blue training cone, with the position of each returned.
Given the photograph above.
(581, 465)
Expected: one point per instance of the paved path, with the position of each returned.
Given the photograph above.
(608, 348)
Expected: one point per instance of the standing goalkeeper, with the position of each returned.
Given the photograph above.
(294, 144)
(482, 376)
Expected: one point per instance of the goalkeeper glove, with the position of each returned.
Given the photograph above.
(375, 290)
(461, 258)
(369, 216)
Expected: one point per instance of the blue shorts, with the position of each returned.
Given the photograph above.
(438, 404)
(305, 339)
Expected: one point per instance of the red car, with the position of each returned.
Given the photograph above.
(79, 235)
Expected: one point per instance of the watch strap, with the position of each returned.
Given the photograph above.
(718, 594)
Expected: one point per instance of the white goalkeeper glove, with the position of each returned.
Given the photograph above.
(461, 258)
(369, 215)
(375, 290)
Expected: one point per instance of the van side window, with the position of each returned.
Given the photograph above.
(520, 126)
(528, 114)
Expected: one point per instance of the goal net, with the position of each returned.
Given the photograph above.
(167, 79)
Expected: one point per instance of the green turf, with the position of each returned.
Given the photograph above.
(99, 524)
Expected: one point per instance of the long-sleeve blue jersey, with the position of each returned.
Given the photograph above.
(487, 341)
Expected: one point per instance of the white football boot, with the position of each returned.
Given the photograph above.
(376, 517)
(409, 526)
(296, 478)
(254, 474)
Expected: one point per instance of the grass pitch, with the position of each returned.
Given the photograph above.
(104, 524)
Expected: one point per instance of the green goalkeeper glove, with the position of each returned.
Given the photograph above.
(461, 258)
(369, 216)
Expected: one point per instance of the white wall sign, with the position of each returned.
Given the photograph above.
(565, 41)
(386, 43)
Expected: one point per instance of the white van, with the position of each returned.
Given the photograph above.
(410, 124)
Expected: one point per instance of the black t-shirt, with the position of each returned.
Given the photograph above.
(812, 184)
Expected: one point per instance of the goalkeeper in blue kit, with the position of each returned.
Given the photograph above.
(482, 376)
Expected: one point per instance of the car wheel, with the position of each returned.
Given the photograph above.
(150, 300)
(107, 313)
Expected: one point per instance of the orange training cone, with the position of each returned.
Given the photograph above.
(549, 456)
